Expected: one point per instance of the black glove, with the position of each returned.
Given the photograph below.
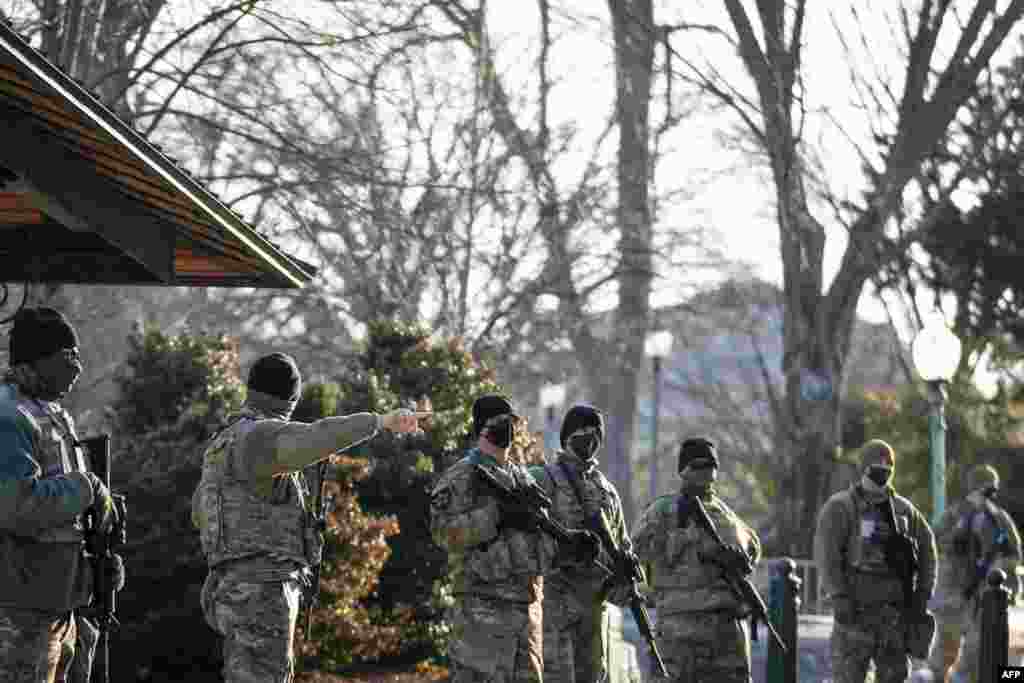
(631, 568)
(518, 517)
(103, 507)
(583, 545)
(732, 559)
(844, 611)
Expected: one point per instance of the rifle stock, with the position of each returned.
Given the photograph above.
(741, 586)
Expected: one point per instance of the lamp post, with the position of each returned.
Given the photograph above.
(936, 355)
(552, 396)
(657, 345)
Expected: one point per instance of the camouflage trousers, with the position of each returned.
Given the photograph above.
(958, 636)
(76, 667)
(495, 641)
(705, 647)
(878, 633)
(575, 643)
(33, 643)
(257, 621)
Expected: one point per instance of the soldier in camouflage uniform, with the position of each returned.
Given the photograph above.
(850, 544)
(975, 536)
(497, 557)
(252, 509)
(575, 619)
(702, 627)
(45, 489)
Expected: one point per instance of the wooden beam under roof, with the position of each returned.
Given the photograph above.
(179, 231)
(32, 153)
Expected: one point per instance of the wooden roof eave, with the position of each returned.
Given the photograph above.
(290, 273)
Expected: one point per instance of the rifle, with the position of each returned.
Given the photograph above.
(101, 547)
(741, 586)
(320, 524)
(537, 502)
(901, 553)
(629, 571)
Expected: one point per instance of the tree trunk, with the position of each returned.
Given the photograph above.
(818, 323)
(634, 58)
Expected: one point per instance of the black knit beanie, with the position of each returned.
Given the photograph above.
(697, 448)
(38, 332)
(578, 417)
(486, 407)
(276, 375)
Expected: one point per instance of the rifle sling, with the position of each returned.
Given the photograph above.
(576, 485)
(589, 517)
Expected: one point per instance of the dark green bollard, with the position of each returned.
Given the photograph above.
(995, 627)
(783, 606)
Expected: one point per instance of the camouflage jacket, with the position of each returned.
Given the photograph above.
(252, 503)
(849, 548)
(485, 558)
(983, 530)
(43, 493)
(682, 579)
(571, 580)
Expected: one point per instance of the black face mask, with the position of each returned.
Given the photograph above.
(880, 475)
(58, 373)
(501, 432)
(584, 446)
(699, 478)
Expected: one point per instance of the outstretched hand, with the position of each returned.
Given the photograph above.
(404, 421)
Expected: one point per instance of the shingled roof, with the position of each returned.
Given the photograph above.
(85, 198)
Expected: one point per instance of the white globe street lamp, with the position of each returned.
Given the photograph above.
(658, 345)
(936, 355)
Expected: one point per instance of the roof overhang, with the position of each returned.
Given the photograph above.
(85, 198)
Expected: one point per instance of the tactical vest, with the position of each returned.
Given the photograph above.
(575, 509)
(236, 524)
(873, 580)
(977, 542)
(683, 581)
(47, 570)
(510, 565)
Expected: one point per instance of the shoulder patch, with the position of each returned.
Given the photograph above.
(664, 503)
